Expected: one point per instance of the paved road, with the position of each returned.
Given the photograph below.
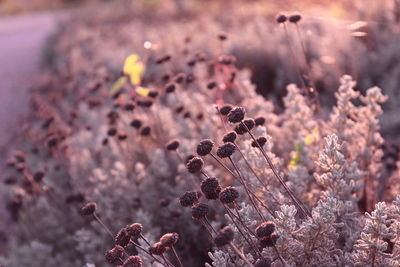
(21, 45)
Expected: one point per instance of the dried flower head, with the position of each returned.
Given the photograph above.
(180, 78)
(163, 59)
(38, 176)
(153, 94)
(112, 132)
(229, 137)
(280, 18)
(195, 165)
(260, 140)
(263, 262)
(294, 18)
(211, 85)
(224, 236)
(114, 255)
(133, 261)
(157, 249)
(145, 131)
(170, 239)
(222, 36)
(122, 238)
(88, 208)
(173, 145)
(170, 88)
(226, 150)
(134, 230)
(136, 123)
(236, 115)
(188, 198)
(248, 124)
(269, 241)
(204, 147)
(210, 188)
(260, 120)
(224, 110)
(228, 195)
(199, 211)
(265, 229)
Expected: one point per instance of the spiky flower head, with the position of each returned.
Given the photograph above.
(236, 115)
(204, 147)
(88, 208)
(224, 236)
(199, 211)
(195, 165)
(226, 150)
(133, 261)
(228, 195)
(157, 249)
(170, 239)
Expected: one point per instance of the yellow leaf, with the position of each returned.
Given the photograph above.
(312, 137)
(134, 68)
(142, 91)
(118, 85)
(294, 161)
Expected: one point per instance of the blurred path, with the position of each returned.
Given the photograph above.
(21, 42)
(21, 46)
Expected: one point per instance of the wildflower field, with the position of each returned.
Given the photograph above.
(212, 133)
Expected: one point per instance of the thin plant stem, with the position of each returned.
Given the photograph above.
(176, 256)
(103, 225)
(247, 190)
(145, 251)
(254, 248)
(272, 167)
(240, 254)
(279, 256)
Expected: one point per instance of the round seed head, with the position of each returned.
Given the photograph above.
(195, 165)
(170, 239)
(112, 132)
(129, 106)
(224, 237)
(157, 249)
(188, 198)
(88, 208)
(122, 238)
(229, 137)
(204, 147)
(263, 262)
(133, 261)
(240, 129)
(170, 88)
(188, 158)
(261, 141)
(38, 176)
(224, 110)
(134, 230)
(153, 94)
(211, 85)
(180, 78)
(228, 195)
(173, 145)
(280, 18)
(136, 123)
(270, 241)
(226, 150)
(114, 255)
(295, 18)
(210, 188)
(265, 229)
(259, 120)
(199, 211)
(179, 109)
(145, 131)
(222, 36)
(236, 115)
